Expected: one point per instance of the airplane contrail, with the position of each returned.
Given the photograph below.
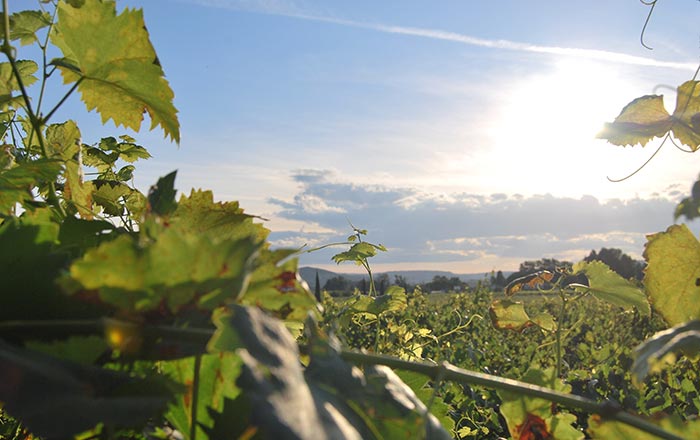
(273, 8)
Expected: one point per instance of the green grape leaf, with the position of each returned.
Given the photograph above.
(511, 315)
(48, 222)
(8, 81)
(532, 417)
(131, 152)
(24, 24)
(16, 183)
(663, 348)
(176, 268)
(394, 300)
(126, 173)
(216, 384)
(598, 427)
(276, 286)
(63, 140)
(161, 196)
(77, 192)
(77, 397)
(608, 286)
(672, 276)
(686, 116)
(640, 121)
(112, 57)
(358, 252)
(109, 194)
(198, 213)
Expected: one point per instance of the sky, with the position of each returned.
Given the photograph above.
(461, 135)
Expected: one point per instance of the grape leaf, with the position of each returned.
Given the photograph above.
(108, 194)
(393, 301)
(607, 285)
(511, 315)
(161, 196)
(686, 116)
(198, 213)
(24, 24)
(646, 118)
(176, 268)
(216, 384)
(63, 141)
(526, 416)
(16, 183)
(8, 81)
(672, 276)
(112, 57)
(640, 121)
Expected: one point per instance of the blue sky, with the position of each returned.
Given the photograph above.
(460, 134)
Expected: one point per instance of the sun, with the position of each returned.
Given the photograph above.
(544, 130)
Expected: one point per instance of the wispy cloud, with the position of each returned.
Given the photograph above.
(293, 9)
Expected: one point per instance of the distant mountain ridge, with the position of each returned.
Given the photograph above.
(412, 276)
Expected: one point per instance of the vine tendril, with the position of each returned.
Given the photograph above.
(646, 22)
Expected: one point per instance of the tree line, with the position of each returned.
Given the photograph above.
(617, 260)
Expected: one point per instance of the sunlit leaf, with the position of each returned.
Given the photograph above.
(640, 121)
(511, 315)
(607, 285)
(686, 116)
(672, 276)
(358, 252)
(112, 57)
(646, 118)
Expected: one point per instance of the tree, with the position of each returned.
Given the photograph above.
(499, 281)
(317, 289)
(400, 281)
(382, 283)
(337, 284)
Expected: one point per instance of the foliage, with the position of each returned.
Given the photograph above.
(130, 315)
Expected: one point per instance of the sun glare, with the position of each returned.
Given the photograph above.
(544, 133)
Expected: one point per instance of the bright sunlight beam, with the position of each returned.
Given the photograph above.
(543, 135)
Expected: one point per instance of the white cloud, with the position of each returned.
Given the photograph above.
(468, 230)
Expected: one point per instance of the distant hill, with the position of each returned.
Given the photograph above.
(411, 276)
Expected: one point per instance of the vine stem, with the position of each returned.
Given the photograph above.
(8, 50)
(448, 371)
